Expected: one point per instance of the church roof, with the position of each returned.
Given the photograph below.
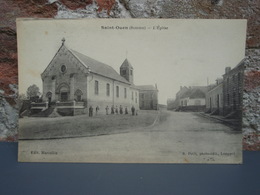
(126, 63)
(146, 87)
(99, 67)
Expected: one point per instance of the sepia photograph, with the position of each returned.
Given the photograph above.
(130, 90)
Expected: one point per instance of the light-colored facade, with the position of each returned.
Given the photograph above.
(191, 98)
(73, 80)
(187, 101)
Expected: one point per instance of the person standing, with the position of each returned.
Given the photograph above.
(121, 109)
(116, 110)
(97, 109)
(133, 110)
(112, 110)
(90, 111)
(107, 110)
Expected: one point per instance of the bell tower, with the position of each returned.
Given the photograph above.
(127, 71)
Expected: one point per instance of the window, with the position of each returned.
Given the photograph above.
(142, 95)
(234, 78)
(234, 100)
(63, 68)
(96, 87)
(125, 92)
(132, 95)
(239, 77)
(78, 95)
(151, 104)
(123, 72)
(135, 97)
(108, 89)
(117, 91)
(131, 72)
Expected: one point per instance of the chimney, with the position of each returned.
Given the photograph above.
(227, 69)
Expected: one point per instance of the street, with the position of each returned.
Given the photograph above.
(181, 138)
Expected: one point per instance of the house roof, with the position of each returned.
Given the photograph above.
(239, 65)
(195, 92)
(147, 87)
(99, 67)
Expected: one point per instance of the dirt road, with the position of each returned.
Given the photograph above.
(182, 138)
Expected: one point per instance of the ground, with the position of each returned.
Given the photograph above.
(83, 125)
(177, 138)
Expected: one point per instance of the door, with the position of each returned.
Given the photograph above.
(64, 96)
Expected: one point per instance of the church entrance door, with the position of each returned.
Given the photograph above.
(64, 92)
(64, 96)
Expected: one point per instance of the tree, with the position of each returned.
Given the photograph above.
(33, 91)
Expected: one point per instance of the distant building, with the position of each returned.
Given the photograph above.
(194, 99)
(214, 98)
(191, 98)
(173, 105)
(148, 97)
(233, 90)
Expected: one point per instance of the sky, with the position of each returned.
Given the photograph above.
(167, 52)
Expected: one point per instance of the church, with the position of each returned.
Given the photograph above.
(72, 82)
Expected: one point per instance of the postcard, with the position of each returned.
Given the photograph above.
(130, 90)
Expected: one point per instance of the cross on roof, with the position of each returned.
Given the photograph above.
(63, 40)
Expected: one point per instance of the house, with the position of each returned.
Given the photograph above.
(194, 99)
(148, 97)
(233, 90)
(72, 82)
(214, 98)
(173, 104)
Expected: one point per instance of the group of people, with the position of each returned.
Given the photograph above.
(113, 110)
(90, 111)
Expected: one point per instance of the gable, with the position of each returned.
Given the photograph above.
(64, 57)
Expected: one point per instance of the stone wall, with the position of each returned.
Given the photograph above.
(11, 9)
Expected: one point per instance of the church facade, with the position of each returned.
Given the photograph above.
(73, 82)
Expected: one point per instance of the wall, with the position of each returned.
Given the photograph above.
(232, 90)
(102, 100)
(148, 99)
(216, 102)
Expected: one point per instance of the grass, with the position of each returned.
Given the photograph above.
(77, 126)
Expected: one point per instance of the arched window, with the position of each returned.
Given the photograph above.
(117, 91)
(78, 95)
(108, 89)
(49, 96)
